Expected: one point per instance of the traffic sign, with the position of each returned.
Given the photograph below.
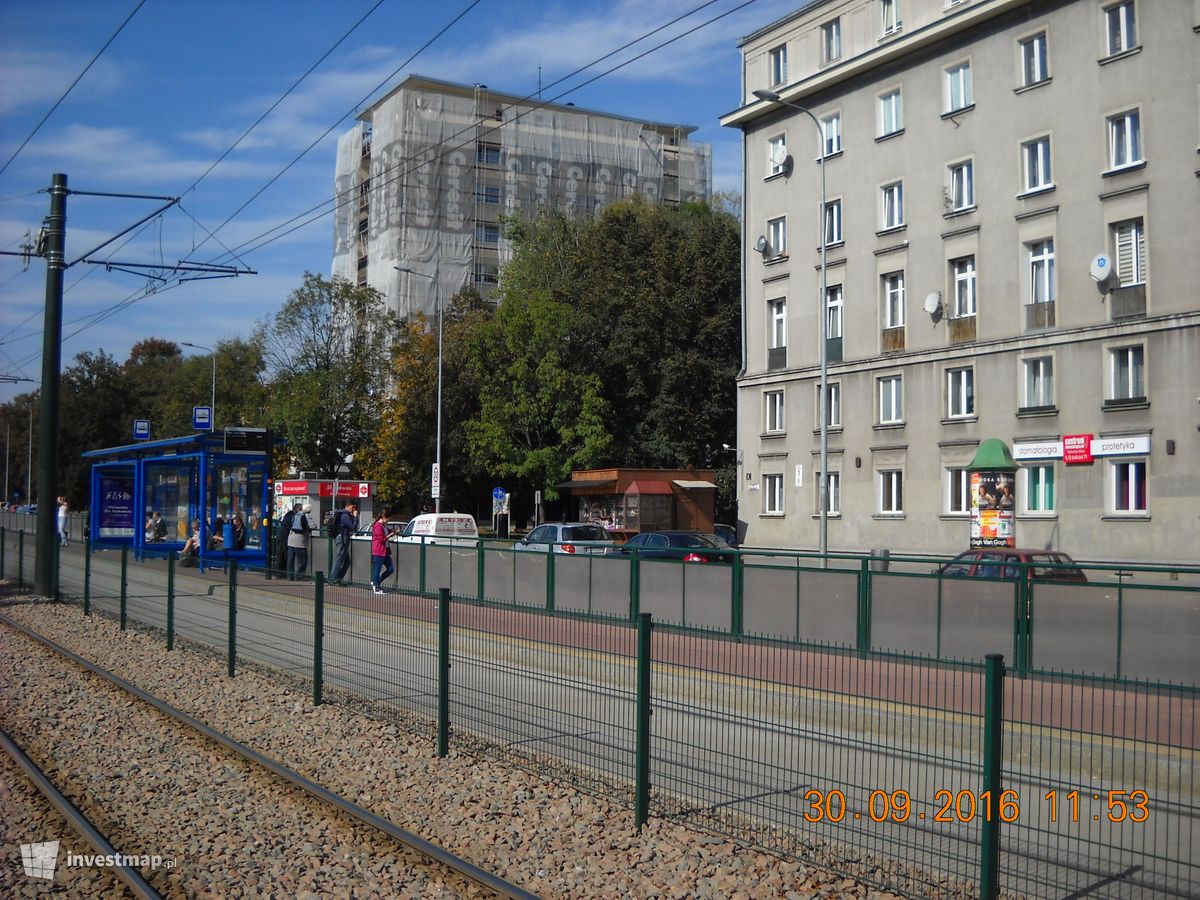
(202, 418)
(141, 429)
(435, 482)
(497, 493)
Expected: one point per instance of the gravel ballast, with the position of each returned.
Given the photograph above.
(548, 839)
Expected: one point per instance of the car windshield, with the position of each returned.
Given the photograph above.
(1054, 565)
(584, 533)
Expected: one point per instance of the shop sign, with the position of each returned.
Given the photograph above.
(345, 489)
(1129, 445)
(1077, 448)
(289, 488)
(1040, 450)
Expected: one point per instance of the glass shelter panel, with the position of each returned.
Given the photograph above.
(170, 492)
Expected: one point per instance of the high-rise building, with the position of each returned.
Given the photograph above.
(1010, 233)
(425, 176)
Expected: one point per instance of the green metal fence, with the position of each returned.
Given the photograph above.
(918, 775)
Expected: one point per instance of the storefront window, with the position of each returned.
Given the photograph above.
(169, 493)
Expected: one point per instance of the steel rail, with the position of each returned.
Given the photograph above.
(415, 842)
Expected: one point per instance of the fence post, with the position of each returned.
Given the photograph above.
(3, 547)
(737, 618)
(993, 746)
(550, 579)
(124, 582)
(641, 800)
(170, 601)
(57, 570)
(232, 616)
(635, 587)
(443, 724)
(87, 576)
(318, 637)
(20, 557)
(863, 639)
(421, 567)
(479, 576)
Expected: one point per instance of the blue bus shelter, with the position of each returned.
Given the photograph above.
(151, 495)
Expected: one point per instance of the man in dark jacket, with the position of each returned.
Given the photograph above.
(285, 525)
(344, 524)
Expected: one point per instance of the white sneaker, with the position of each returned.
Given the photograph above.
(378, 590)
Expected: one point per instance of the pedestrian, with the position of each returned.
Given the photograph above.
(345, 523)
(285, 525)
(382, 566)
(297, 542)
(63, 510)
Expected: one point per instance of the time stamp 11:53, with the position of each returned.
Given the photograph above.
(968, 805)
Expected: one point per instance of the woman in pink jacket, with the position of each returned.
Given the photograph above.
(381, 556)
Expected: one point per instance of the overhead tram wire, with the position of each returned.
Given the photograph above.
(78, 78)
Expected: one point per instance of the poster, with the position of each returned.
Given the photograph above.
(116, 506)
(993, 509)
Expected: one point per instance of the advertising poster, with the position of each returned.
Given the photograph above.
(116, 506)
(993, 509)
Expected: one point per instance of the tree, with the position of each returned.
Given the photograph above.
(328, 351)
(95, 411)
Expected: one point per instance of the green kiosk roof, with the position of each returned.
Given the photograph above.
(993, 455)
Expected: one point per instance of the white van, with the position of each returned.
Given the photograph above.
(441, 528)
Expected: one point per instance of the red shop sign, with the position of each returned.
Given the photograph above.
(288, 488)
(1077, 448)
(346, 489)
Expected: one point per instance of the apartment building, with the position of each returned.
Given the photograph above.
(426, 174)
(1011, 201)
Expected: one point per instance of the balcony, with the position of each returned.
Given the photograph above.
(776, 359)
(962, 330)
(1039, 315)
(1128, 302)
(892, 339)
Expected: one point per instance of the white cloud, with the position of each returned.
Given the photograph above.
(35, 80)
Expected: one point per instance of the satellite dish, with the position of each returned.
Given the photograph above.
(787, 166)
(933, 303)
(1101, 269)
(761, 244)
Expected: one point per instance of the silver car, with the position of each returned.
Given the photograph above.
(567, 537)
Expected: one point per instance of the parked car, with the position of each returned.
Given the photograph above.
(688, 546)
(567, 537)
(727, 533)
(394, 525)
(1001, 562)
(441, 528)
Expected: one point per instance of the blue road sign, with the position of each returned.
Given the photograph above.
(141, 429)
(497, 493)
(202, 418)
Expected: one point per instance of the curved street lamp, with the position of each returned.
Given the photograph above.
(823, 491)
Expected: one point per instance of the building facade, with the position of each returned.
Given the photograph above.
(1009, 226)
(426, 174)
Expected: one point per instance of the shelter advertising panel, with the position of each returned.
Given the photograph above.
(993, 509)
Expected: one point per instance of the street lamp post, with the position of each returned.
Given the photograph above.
(823, 402)
(437, 293)
(213, 406)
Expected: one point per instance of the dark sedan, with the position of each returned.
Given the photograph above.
(687, 546)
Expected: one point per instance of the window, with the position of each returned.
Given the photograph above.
(833, 222)
(488, 193)
(831, 40)
(893, 300)
(958, 87)
(1128, 373)
(833, 499)
(965, 302)
(1036, 158)
(1120, 27)
(1039, 382)
(892, 206)
(1041, 271)
(891, 492)
(1124, 140)
(833, 403)
(1128, 486)
(777, 335)
(958, 492)
(779, 73)
(889, 15)
(831, 129)
(776, 154)
(891, 113)
(1035, 67)
(487, 154)
(960, 392)
(773, 411)
(1038, 491)
(487, 274)
(777, 236)
(962, 185)
(833, 307)
(487, 233)
(1129, 241)
(773, 494)
(891, 400)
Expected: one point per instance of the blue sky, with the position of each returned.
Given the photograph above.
(181, 82)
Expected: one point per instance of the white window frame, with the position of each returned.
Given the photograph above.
(778, 62)
(1040, 260)
(833, 222)
(960, 94)
(1127, 478)
(1037, 170)
(957, 491)
(960, 392)
(891, 112)
(1035, 59)
(831, 133)
(1037, 381)
(889, 17)
(893, 299)
(488, 154)
(1125, 140)
(772, 487)
(961, 176)
(1038, 494)
(831, 40)
(833, 403)
(773, 411)
(487, 232)
(1129, 251)
(776, 153)
(835, 310)
(1120, 27)
(966, 286)
(890, 492)
(777, 236)
(889, 392)
(488, 193)
(777, 323)
(891, 206)
(1127, 372)
(833, 498)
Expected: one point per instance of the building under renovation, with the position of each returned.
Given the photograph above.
(428, 172)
